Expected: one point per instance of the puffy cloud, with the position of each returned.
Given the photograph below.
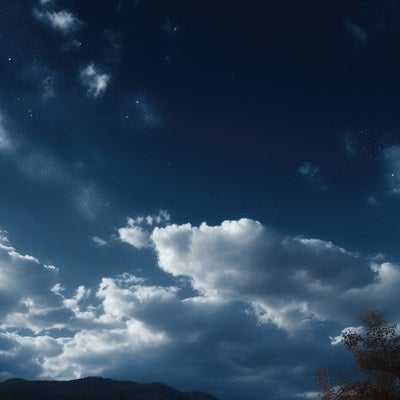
(286, 279)
(95, 81)
(263, 306)
(137, 232)
(62, 21)
(26, 296)
(3, 237)
(135, 236)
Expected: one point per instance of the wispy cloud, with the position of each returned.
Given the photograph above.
(113, 45)
(43, 167)
(88, 199)
(308, 170)
(355, 31)
(311, 173)
(6, 143)
(99, 241)
(392, 168)
(61, 21)
(48, 91)
(350, 145)
(374, 19)
(143, 113)
(372, 201)
(95, 81)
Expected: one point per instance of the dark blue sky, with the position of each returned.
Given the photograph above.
(211, 188)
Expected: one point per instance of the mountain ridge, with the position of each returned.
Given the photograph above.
(93, 388)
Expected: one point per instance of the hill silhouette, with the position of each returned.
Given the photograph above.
(93, 389)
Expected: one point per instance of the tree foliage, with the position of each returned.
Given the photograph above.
(376, 350)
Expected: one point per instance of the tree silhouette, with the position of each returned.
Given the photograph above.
(376, 350)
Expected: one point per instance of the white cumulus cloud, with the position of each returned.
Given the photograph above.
(135, 236)
(137, 231)
(263, 305)
(285, 279)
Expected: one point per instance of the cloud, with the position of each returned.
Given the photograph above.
(62, 21)
(95, 81)
(392, 168)
(48, 91)
(6, 143)
(308, 170)
(88, 199)
(137, 232)
(26, 296)
(135, 236)
(142, 113)
(263, 306)
(357, 32)
(113, 45)
(3, 237)
(100, 242)
(42, 167)
(350, 145)
(286, 279)
(372, 201)
(373, 20)
(310, 173)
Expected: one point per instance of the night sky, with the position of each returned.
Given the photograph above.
(200, 193)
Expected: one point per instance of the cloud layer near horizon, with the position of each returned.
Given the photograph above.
(262, 304)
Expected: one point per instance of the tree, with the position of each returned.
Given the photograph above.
(376, 350)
